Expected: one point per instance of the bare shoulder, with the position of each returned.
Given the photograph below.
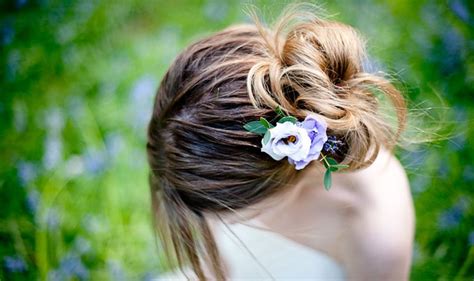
(379, 237)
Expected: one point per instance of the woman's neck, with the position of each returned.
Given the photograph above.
(309, 214)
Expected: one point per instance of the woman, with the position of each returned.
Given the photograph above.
(250, 127)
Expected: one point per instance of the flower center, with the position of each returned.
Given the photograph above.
(289, 139)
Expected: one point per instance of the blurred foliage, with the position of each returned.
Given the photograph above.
(77, 83)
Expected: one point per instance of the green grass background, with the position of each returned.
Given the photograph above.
(77, 80)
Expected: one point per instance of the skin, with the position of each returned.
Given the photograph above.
(365, 222)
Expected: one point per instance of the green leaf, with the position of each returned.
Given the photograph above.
(327, 179)
(279, 111)
(341, 166)
(288, 119)
(331, 161)
(266, 137)
(333, 168)
(265, 123)
(255, 127)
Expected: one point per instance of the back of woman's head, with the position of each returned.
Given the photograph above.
(204, 161)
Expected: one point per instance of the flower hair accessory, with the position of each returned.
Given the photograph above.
(301, 142)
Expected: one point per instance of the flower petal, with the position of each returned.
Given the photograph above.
(267, 148)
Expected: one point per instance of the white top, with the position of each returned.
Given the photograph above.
(265, 255)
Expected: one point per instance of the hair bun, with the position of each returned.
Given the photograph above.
(315, 66)
(334, 48)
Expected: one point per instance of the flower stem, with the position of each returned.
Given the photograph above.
(325, 160)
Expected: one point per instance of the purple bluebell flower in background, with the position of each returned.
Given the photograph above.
(52, 218)
(471, 238)
(33, 200)
(70, 267)
(453, 216)
(27, 172)
(116, 270)
(14, 264)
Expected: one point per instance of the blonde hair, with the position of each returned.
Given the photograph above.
(203, 161)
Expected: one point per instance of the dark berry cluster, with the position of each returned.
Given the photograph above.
(332, 145)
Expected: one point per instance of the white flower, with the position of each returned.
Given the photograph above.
(287, 139)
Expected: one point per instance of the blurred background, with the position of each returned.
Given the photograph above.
(77, 80)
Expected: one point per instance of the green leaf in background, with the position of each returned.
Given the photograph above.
(255, 127)
(327, 179)
(265, 123)
(288, 119)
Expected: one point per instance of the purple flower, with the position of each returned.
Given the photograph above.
(301, 142)
(316, 128)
